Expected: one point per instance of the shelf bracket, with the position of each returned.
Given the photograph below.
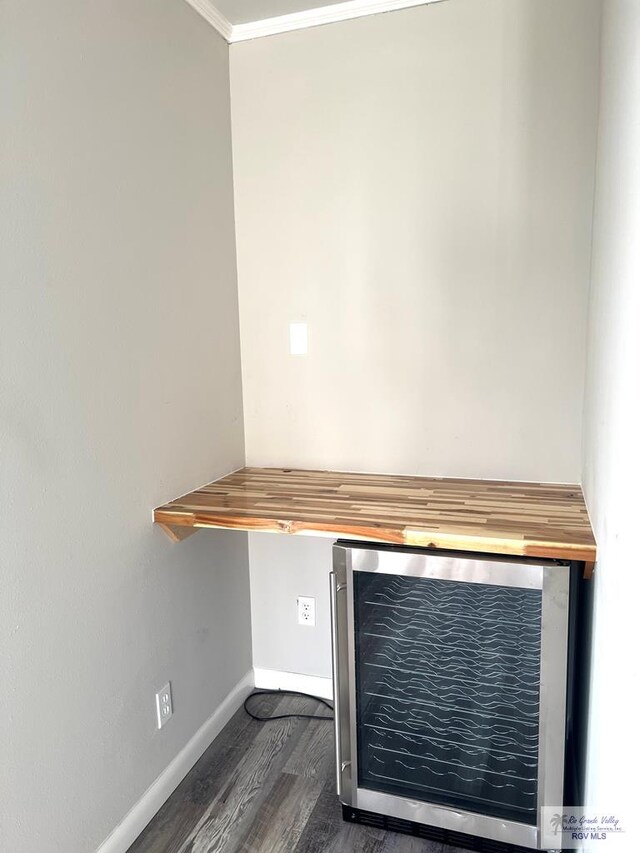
(177, 532)
(588, 571)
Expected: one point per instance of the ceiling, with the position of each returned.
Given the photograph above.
(244, 11)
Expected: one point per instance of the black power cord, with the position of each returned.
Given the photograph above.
(285, 716)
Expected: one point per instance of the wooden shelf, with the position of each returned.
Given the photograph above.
(490, 516)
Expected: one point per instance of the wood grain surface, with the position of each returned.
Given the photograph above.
(490, 516)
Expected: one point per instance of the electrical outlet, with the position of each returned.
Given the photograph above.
(306, 611)
(164, 705)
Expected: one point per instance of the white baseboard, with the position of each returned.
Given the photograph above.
(273, 679)
(139, 816)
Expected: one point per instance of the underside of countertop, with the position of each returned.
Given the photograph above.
(491, 516)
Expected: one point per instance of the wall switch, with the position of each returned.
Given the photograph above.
(298, 338)
(306, 611)
(164, 705)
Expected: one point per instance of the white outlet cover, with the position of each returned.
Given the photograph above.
(164, 705)
(306, 611)
(298, 338)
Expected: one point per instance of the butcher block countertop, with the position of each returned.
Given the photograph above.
(490, 516)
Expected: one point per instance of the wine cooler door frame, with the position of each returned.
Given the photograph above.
(553, 580)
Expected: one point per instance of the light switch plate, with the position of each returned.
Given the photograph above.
(298, 338)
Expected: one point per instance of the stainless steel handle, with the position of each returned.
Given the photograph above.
(335, 666)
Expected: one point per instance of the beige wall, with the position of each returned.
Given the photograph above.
(120, 387)
(418, 187)
(612, 422)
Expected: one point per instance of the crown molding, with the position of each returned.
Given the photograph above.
(322, 15)
(214, 17)
(299, 20)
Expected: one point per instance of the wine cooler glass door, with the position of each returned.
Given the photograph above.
(448, 692)
(450, 676)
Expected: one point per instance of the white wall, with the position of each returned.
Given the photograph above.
(120, 388)
(612, 421)
(418, 187)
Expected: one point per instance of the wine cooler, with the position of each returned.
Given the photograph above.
(450, 684)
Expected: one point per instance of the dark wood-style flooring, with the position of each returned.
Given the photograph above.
(267, 788)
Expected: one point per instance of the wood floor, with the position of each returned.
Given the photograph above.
(267, 788)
